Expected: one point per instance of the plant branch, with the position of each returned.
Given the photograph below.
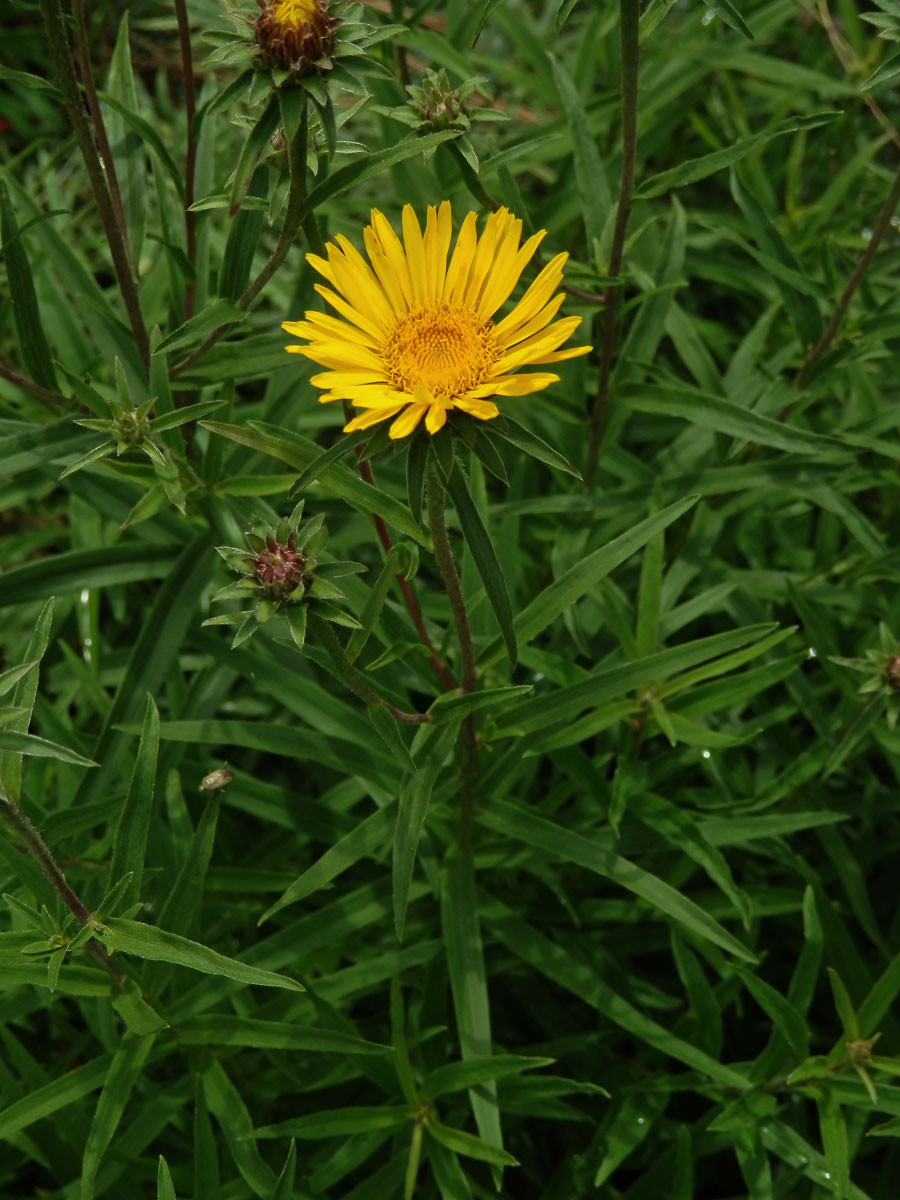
(37, 848)
(881, 227)
(58, 40)
(190, 218)
(293, 220)
(351, 678)
(54, 398)
(629, 17)
(90, 93)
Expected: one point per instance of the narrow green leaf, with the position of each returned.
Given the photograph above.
(367, 839)
(257, 140)
(591, 184)
(27, 743)
(461, 925)
(485, 557)
(124, 1071)
(243, 238)
(586, 574)
(158, 945)
(430, 748)
(226, 1105)
(164, 626)
(165, 1189)
(222, 1029)
(337, 1122)
(130, 842)
(713, 412)
(299, 453)
(36, 352)
(844, 1006)
(694, 169)
(126, 144)
(151, 139)
(834, 1141)
(319, 466)
(455, 1077)
(220, 312)
(23, 698)
(512, 821)
(43, 1102)
(284, 1187)
(469, 1145)
(453, 704)
(789, 1023)
(375, 163)
(585, 982)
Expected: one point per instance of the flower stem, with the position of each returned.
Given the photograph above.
(629, 19)
(39, 851)
(58, 40)
(54, 398)
(351, 678)
(881, 227)
(292, 222)
(444, 554)
(190, 166)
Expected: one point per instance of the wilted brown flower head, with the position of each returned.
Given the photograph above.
(294, 34)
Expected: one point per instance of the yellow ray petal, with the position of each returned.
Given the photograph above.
(322, 266)
(415, 253)
(321, 327)
(383, 236)
(498, 286)
(537, 345)
(463, 252)
(436, 417)
(524, 385)
(541, 318)
(366, 296)
(438, 231)
(346, 310)
(335, 380)
(373, 417)
(485, 254)
(482, 409)
(535, 297)
(561, 355)
(343, 356)
(407, 421)
(389, 275)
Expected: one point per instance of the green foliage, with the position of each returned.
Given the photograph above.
(540, 842)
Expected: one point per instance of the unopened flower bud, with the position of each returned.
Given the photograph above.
(279, 568)
(294, 35)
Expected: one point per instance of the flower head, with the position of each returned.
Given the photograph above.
(294, 34)
(419, 336)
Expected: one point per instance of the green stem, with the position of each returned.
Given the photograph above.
(40, 852)
(351, 678)
(58, 40)
(881, 227)
(294, 218)
(629, 20)
(444, 554)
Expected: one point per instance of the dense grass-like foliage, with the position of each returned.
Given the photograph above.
(531, 831)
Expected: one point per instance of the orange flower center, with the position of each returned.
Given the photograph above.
(441, 347)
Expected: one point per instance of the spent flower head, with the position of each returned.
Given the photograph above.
(419, 337)
(281, 575)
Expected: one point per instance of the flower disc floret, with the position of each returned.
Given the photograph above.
(417, 333)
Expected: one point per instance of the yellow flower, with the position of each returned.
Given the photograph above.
(418, 336)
